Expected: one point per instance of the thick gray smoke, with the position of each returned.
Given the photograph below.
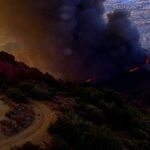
(86, 45)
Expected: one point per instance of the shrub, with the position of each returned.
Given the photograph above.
(28, 146)
(92, 113)
(140, 134)
(98, 138)
(59, 143)
(112, 96)
(100, 97)
(16, 95)
(144, 96)
(131, 145)
(144, 145)
(40, 93)
(90, 95)
(81, 134)
(26, 87)
(126, 118)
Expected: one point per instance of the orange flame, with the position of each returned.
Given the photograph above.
(91, 79)
(134, 69)
(147, 60)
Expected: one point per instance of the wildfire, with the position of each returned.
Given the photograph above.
(147, 60)
(134, 69)
(91, 79)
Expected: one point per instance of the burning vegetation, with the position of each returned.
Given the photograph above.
(137, 68)
(134, 69)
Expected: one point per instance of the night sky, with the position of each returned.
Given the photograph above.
(46, 34)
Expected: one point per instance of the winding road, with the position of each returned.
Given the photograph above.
(44, 117)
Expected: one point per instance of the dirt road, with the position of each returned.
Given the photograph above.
(4, 109)
(44, 117)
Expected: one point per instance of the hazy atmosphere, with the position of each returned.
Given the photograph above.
(74, 74)
(42, 33)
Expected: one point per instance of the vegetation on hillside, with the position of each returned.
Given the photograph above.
(102, 119)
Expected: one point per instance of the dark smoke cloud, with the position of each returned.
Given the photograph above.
(92, 47)
(71, 39)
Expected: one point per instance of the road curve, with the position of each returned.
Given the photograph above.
(44, 117)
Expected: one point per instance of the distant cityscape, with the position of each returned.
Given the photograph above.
(140, 15)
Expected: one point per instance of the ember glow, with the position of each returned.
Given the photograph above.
(90, 79)
(147, 60)
(134, 69)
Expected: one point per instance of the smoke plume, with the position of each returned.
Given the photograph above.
(70, 38)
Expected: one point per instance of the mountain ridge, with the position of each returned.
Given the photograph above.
(12, 70)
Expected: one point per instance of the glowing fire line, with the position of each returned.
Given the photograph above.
(91, 79)
(146, 62)
(134, 69)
